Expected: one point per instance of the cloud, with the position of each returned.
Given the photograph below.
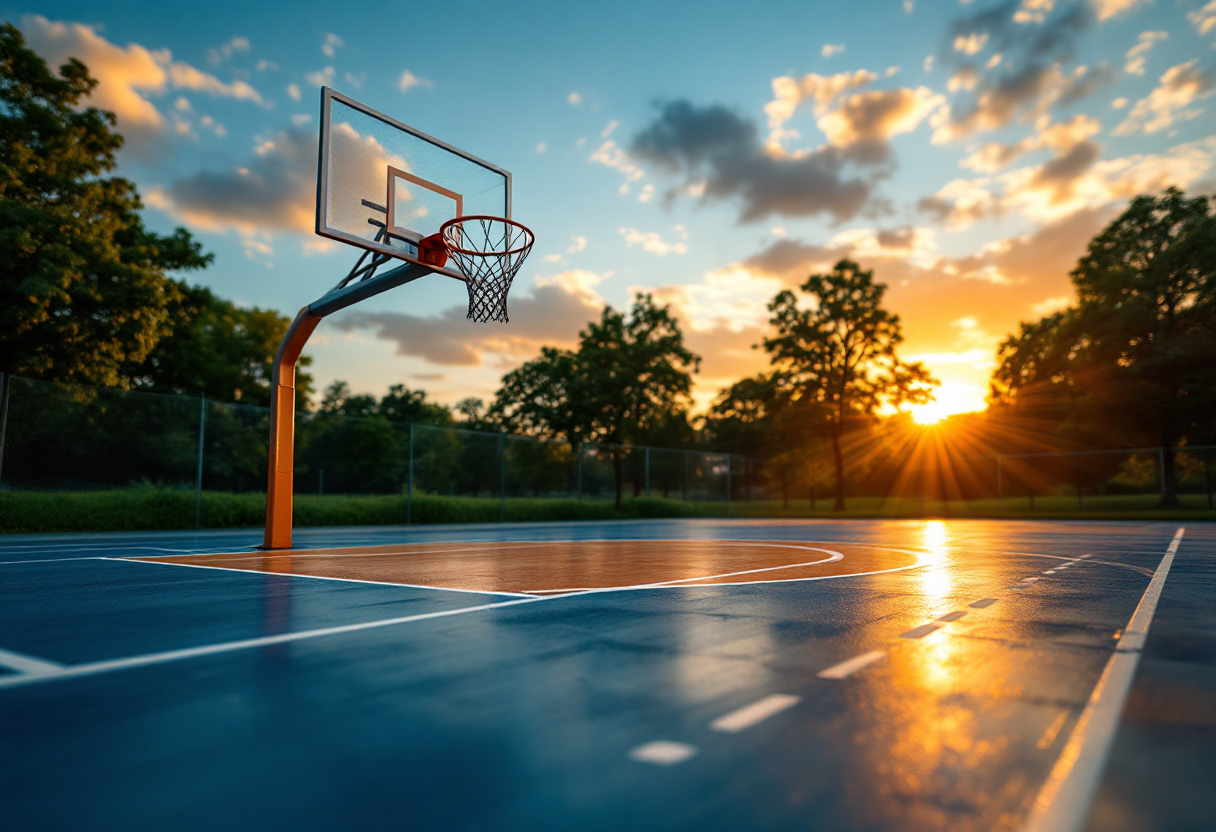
(830, 49)
(1134, 64)
(1179, 88)
(866, 121)
(274, 191)
(331, 45)
(652, 242)
(1073, 180)
(222, 53)
(541, 147)
(969, 44)
(1106, 9)
(821, 90)
(320, 78)
(126, 76)
(552, 314)
(1026, 94)
(1060, 137)
(1204, 20)
(293, 91)
(609, 155)
(1048, 306)
(574, 99)
(1033, 54)
(184, 76)
(409, 80)
(712, 152)
(1033, 11)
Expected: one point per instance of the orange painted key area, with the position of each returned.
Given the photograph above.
(548, 567)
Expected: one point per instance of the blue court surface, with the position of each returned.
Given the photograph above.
(986, 675)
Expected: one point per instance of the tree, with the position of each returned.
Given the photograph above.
(1135, 359)
(540, 397)
(83, 290)
(219, 350)
(839, 352)
(629, 378)
(399, 404)
(757, 418)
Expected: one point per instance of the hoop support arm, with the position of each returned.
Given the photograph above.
(281, 461)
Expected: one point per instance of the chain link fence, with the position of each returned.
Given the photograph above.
(203, 461)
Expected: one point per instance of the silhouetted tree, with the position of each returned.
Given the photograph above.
(835, 347)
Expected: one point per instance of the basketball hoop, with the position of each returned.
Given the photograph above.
(489, 252)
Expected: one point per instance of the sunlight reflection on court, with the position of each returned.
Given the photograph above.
(935, 578)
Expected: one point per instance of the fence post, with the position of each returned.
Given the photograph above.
(4, 385)
(1161, 471)
(198, 476)
(320, 484)
(580, 473)
(729, 460)
(502, 478)
(1000, 484)
(409, 486)
(686, 476)
(647, 455)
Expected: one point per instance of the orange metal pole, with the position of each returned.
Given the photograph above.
(280, 486)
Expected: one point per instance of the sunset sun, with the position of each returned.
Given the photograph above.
(949, 399)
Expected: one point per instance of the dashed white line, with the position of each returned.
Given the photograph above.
(755, 713)
(983, 602)
(1053, 730)
(921, 631)
(663, 752)
(851, 666)
(952, 616)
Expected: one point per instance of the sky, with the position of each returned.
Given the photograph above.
(710, 153)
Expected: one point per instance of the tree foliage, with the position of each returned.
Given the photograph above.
(1134, 361)
(834, 353)
(628, 381)
(83, 286)
(219, 350)
(399, 404)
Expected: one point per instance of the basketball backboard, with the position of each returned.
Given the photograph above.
(383, 186)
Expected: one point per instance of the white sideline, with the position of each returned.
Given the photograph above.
(93, 668)
(1064, 802)
(27, 664)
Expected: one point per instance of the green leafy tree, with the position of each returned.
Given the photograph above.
(83, 286)
(218, 350)
(630, 376)
(1134, 362)
(542, 397)
(400, 404)
(835, 350)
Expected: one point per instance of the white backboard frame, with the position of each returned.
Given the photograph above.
(324, 230)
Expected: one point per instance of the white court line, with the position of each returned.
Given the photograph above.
(663, 752)
(93, 668)
(851, 666)
(318, 577)
(1063, 803)
(755, 713)
(27, 665)
(834, 557)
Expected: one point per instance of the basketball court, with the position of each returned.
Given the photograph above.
(736, 675)
(645, 675)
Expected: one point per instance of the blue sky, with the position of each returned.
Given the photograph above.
(712, 153)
